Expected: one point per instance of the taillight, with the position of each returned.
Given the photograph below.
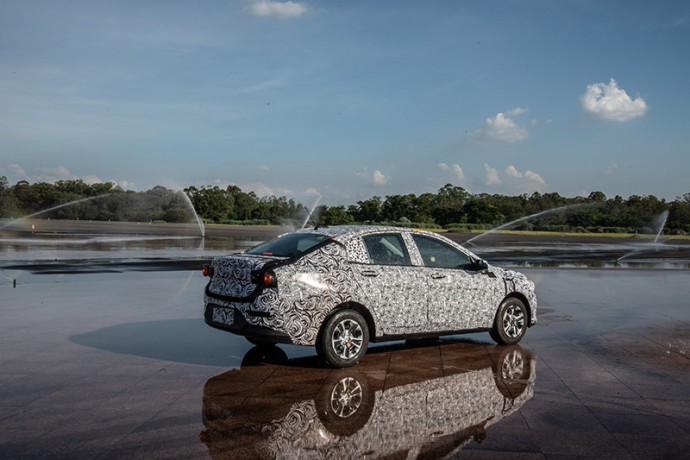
(207, 270)
(269, 278)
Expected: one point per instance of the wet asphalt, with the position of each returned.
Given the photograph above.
(121, 364)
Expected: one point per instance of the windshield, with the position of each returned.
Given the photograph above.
(289, 245)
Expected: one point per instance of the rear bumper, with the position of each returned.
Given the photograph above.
(232, 320)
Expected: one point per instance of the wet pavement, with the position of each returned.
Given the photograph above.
(112, 365)
(104, 354)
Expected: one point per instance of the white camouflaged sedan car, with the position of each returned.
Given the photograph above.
(337, 288)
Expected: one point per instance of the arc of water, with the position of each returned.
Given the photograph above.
(313, 208)
(202, 228)
(531, 216)
(661, 218)
(54, 208)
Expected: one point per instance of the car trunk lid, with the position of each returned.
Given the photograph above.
(237, 277)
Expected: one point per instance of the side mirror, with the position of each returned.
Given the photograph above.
(480, 264)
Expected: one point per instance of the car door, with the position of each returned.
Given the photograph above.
(459, 296)
(394, 288)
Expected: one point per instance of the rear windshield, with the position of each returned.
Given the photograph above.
(289, 245)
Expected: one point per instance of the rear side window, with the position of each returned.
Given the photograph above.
(290, 245)
(388, 249)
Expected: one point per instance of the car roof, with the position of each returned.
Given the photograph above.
(344, 232)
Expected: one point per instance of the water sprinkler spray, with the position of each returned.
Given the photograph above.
(313, 208)
(512, 222)
(53, 209)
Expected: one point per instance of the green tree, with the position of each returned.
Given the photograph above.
(335, 215)
(9, 205)
(448, 204)
(369, 210)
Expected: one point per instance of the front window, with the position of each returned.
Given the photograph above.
(387, 249)
(289, 245)
(438, 254)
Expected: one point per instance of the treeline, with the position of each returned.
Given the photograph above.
(456, 209)
(102, 201)
(233, 206)
(106, 201)
(451, 208)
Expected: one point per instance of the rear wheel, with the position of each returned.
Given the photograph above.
(344, 339)
(345, 402)
(510, 323)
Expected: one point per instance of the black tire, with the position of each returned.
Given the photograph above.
(510, 323)
(343, 339)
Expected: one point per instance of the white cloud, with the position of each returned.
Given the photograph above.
(91, 179)
(262, 190)
(54, 174)
(312, 192)
(511, 171)
(491, 175)
(277, 9)
(516, 111)
(455, 170)
(49, 175)
(377, 176)
(610, 169)
(263, 167)
(528, 181)
(502, 128)
(513, 181)
(18, 171)
(380, 178)
(125, 185)
(611, 103)
(220, 183)
(261, 86)
(60, 172)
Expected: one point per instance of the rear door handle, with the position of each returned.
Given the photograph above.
(437, 276)
(369, 273)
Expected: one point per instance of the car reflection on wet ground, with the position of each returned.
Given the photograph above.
(108, 360)
(399, 400)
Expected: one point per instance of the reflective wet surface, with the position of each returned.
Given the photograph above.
(116, 361)
(404, 400)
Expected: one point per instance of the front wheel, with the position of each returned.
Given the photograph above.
(510, 323)
(344, 339)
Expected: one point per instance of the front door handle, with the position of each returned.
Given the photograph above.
(369, 273)
(438, 276)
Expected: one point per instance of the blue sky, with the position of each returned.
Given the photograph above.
(349, 99)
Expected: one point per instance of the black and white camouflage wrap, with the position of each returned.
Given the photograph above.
(400, 299)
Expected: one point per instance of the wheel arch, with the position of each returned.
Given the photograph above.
(359, 308)
(523, 298)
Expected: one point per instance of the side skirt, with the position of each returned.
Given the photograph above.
(425, 335)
